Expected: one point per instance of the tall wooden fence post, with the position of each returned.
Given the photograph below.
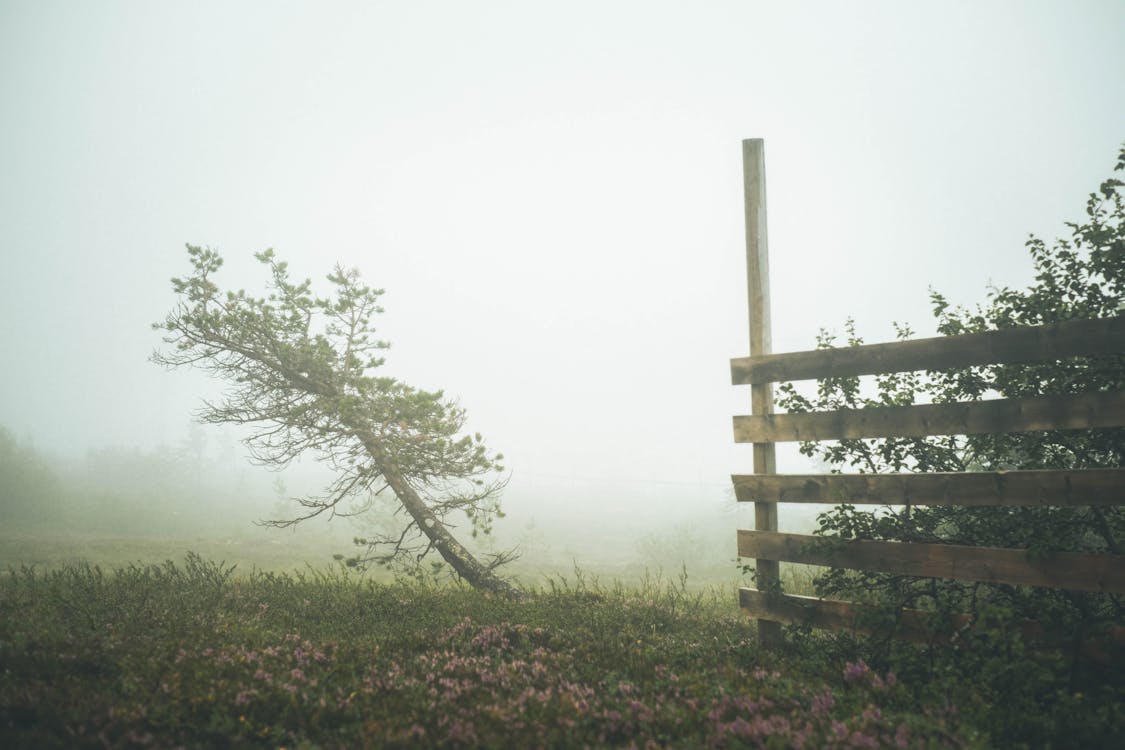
(761, 395)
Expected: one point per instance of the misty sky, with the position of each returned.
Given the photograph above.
(550, 193)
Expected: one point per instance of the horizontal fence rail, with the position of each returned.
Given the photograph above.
(915, 626)
(792, 609)
(1050, 343)
(1074, 571)
(1083, 411)
(1072, 338)
(1010, 488)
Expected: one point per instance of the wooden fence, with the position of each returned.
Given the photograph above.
(765, 488)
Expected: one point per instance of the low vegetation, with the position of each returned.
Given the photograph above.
(193, 655)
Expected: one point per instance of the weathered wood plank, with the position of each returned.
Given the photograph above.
(831, 614)
(1082, 411)
(758, 298)
(1072, 338)
(1065, 570)
(1011, 488)
(910, 625)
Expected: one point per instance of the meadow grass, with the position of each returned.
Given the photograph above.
(191, 655)
(203, 654)
(249, 548)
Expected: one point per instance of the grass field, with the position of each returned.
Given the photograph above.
(186, 654)
(198, 654)
(600, 554)
(254, 549)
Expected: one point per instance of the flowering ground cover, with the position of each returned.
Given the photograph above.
(191, 655)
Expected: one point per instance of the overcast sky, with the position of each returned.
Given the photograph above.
(550, 193)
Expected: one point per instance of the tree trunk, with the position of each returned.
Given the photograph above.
(452, 551)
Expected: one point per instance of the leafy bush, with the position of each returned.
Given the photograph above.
(1075, 278)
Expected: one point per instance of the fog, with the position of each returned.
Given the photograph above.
(551, 195)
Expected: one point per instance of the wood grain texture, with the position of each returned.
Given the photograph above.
(1010, 488)
(830, 614)
(1072, 338)
(758, 299)
(1063, 570)
(911, 625)
(1078, 412)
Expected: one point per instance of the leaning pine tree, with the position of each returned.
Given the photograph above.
(300, 373)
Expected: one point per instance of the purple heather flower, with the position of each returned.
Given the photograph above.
(823, 703)
(740, 727)
(854, 671)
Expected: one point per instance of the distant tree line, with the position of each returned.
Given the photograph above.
(114, 490)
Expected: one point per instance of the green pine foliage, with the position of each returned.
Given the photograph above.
(302, 375)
